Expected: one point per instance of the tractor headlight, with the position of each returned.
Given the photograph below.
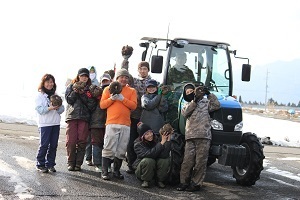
(216, 125)
(239, 127)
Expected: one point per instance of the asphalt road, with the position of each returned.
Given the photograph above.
(19, 179)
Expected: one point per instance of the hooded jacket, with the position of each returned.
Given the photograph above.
(94, 80)
(153, 149)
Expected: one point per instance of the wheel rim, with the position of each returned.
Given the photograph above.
(243, 170)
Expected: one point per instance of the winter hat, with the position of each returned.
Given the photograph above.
(83, 71)
(105, 77)
(151, 82)
(142, 129)
(144, 64)
(93, 69)
(122, 72)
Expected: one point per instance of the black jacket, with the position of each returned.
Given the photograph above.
(80, 106)
(154, 149)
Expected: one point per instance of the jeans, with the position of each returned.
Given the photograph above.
(48, 145)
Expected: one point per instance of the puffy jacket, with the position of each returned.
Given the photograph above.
(80, 106)
(154, 149)
(154, 105)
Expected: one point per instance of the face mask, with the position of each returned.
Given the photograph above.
(92, 76)
(190, 97)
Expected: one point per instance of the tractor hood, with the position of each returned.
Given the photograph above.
(227, 101)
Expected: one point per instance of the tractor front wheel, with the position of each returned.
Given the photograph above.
(249, 172)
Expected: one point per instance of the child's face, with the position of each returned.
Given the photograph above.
(151, 89)
(148, 136)
(189, 91)
(83, 78)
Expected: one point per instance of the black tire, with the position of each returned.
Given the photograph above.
(249, 173)
(177, 151)
(211, 160)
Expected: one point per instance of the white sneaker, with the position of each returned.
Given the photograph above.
(98, 168)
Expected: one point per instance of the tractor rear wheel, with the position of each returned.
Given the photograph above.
(249, 172)
(177, 151)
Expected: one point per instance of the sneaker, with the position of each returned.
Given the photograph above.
(42, 169)
(182, 187)
(193, 188)
(105, 176)
(98, 168)
(130, 170)
(77, 168)
(145, 184)
(71, 168)
(161, 184)
(52, 169)
(89, 162)
(118, 175)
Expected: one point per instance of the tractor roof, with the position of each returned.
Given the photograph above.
(191, 41)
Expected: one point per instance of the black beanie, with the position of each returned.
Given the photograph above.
(143, 128)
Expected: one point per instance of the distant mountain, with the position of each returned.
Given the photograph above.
(283, 80)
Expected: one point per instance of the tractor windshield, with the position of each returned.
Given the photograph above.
(198, 63)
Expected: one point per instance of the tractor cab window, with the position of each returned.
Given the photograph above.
(199, 64)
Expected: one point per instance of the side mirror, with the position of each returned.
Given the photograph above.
(246, 72)
(156, 64)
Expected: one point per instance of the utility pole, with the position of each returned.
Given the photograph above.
(266, 93)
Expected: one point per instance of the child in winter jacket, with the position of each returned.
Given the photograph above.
(154, 104)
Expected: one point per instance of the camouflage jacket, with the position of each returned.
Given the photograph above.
(176, 76)
(139, 84)
(198, 118)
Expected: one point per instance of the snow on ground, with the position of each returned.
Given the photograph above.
(281, 132)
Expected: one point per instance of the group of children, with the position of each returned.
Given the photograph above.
(108, 119)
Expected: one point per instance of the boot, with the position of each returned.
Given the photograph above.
(105, 163)
(117, 167)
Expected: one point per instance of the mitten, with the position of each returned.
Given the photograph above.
(206, 90)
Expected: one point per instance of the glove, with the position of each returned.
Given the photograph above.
(199, 92)
(114, 97)
(120, 97)
(165, 89)
(159, 91)
(206, 90)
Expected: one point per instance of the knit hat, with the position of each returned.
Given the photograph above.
(122, 72)
(105, 77)
(142, 129)
(151, 82)
(83, 71)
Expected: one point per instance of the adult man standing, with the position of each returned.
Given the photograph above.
(139, 84)
(117, 131)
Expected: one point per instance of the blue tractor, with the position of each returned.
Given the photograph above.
(211, 65)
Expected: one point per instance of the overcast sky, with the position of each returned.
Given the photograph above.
(59, 37)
